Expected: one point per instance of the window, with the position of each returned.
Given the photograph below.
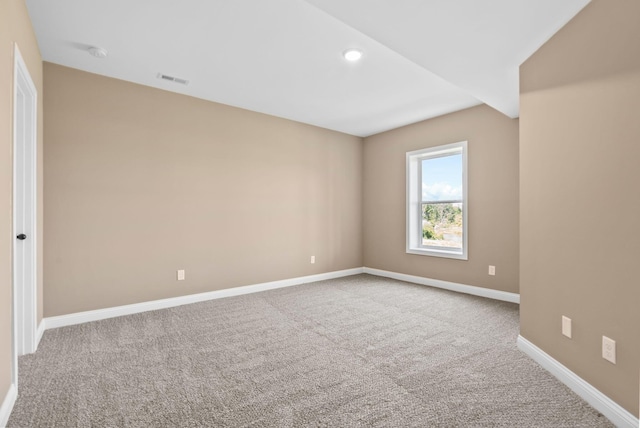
(437, 201)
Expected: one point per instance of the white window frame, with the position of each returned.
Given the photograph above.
(414, 201)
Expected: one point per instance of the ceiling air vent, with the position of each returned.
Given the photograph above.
(172, 79)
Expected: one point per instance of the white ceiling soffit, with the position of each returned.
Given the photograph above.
(476, 45)
(284, 57)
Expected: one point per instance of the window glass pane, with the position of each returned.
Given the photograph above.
(442, 225)
(442, 178)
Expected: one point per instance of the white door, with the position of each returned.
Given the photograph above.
(24, 211)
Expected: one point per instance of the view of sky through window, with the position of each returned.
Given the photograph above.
(442, 178)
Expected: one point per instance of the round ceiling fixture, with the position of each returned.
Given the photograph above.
(98, 52)
(352, 54)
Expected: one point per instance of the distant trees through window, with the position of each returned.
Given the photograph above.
(442, 224)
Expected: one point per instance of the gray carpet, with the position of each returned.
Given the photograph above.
(356, 351)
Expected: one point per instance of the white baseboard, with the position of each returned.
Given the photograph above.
(100, 314)
(609, 408)
(7, 405)
(453, 286)
(39, 332)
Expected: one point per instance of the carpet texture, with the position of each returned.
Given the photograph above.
(349, 352)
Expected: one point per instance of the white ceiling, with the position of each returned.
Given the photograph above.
(422, 58)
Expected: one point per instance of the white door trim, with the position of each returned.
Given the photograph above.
(24, 133)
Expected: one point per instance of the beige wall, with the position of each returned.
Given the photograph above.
(493, 198)
(15, 27)
(580, 205)
(141, 182)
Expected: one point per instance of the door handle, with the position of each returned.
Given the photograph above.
(22, 237)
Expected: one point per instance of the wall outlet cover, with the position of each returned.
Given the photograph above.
(566, 326)
(609, 349)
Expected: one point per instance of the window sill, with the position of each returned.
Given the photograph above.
(449, 254)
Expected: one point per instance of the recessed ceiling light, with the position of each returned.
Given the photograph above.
(352, 54)
(98, 52)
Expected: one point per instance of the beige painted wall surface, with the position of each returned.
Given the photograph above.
(142, 182)
(580, 236)
(15, 27)
(493, 198)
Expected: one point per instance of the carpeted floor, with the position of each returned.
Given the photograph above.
(356, 351)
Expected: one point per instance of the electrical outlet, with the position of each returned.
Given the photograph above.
(492, 270)
(609, 349)
(313, 259)
(566, 326)
(181, 275)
